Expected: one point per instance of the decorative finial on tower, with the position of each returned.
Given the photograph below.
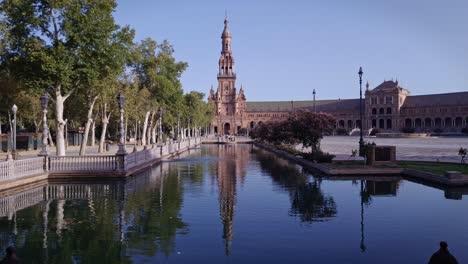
(226, 32)
(396, 82)
(367, 86)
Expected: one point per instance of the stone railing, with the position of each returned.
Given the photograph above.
(112, 165)
(146, 155)
(15, 169)
(83, 163)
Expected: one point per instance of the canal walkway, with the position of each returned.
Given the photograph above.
(443, 149)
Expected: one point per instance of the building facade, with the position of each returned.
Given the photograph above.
(388, 107)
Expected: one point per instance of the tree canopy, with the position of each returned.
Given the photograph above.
(69, 47)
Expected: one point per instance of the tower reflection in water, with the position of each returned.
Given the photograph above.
(230, 170)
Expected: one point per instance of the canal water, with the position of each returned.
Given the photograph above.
(233, 204)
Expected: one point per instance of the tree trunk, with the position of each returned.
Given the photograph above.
(60, 126)
(145, 126)
(105, 122)
(153, 133)
(150, 127)
(51, 141)
(11, 123)
(93, 134)
(84, 143)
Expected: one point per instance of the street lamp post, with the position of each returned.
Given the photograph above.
(121, 102)
(314, 100)
(45, 130)
(13, 147)
(361, 140)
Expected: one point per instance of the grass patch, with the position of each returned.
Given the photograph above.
(433, 167)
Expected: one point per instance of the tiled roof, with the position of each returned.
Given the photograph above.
(386, 85)
(320, 105)
(460, 98)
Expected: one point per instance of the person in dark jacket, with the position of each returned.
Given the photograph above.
(10, 257)
(443, 256)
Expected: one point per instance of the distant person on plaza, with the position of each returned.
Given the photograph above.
(10, 257)
(443, 256)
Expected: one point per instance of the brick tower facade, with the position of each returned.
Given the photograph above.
(228, 105)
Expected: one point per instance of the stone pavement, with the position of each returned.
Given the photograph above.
(444, 149)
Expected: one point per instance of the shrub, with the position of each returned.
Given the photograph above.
(365, 148)
(462, 152)
(319, 156)
(374, 131)
(342, 132)
(407, 130)
(242, 131)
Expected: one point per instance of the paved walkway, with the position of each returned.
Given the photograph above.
(419, 149)
(71, 151)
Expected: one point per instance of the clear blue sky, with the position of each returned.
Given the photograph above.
(284, 49)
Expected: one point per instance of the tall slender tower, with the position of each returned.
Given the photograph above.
(228, 105)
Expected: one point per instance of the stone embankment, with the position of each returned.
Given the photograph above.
(15, 173)
(449, 180)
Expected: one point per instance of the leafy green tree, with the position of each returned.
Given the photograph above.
(158, 72)
(63, 45)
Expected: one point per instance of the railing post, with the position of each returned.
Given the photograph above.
(120, 161)
(11, 167)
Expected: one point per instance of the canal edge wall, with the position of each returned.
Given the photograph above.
(373, 173)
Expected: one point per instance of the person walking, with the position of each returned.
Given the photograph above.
(443, 256)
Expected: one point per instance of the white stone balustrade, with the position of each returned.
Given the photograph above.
(83, 163)
(76, 165)
(15, 169)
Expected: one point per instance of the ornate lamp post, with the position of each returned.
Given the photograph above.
(361, 140)
(161, 111)
(314, 100)
(45, 130)
(121, 102)
(13, 147)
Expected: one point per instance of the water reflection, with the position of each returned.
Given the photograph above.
(370, 188)
(228, 170)
(190, 205)
(308, 202)
(93, 222)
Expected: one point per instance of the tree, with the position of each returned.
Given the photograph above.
(158, 73)
(303, 126)
(308, 127)
(50, 44)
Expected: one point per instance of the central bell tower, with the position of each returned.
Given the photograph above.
(227, 104)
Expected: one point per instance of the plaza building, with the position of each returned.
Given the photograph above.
(388, 107)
